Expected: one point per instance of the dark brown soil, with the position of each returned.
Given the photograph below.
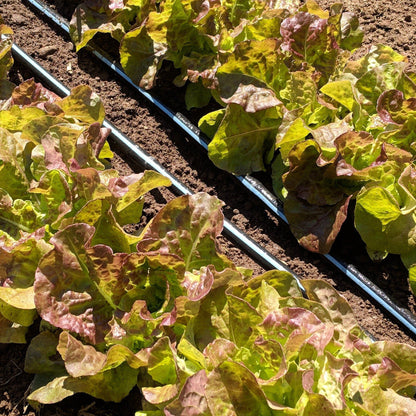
(391, 22)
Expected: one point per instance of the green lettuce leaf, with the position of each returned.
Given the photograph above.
(245, 142)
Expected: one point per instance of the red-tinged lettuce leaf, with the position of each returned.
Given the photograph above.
(299, 359)
(70, 147)
(380, 70)
(33, 94)
(188, 227)
(336, 374)
(245, 142)
(390, 375)
(256, 292)
(351, 32)
(313, 40)
(191, 400)
(321, 181)
(81, 288)
(400, 116)
(84, 360)
(134, 329)
(393, 108)
(379, 79)
(253, 98)
(378, 55)
(19, 258)
(65, 293)
(315, 207)
(99, 214)
(340, 311)
(199, 283)
(296, 327)
(233, 389)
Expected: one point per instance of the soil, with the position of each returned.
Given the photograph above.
(391, 22)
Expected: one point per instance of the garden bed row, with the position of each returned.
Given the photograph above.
(164, 141)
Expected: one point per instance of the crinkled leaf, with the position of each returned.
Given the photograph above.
(351, 32)
(192, 398)
(16, 117)
(128, 208)
(340, 311)
(188, 227)
(84, 105)
(98, 213)
(141, 57)
(233, 389)
(65, 294)
(311, 39)
(257, 63)
(244, 142)
(19, 259)
(84, 360)
(19, 215)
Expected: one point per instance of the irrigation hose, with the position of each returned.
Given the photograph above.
(403, 315)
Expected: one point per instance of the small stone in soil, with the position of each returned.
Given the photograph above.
(47, 50)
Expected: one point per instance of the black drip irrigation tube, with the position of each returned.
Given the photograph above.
(403, 315)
